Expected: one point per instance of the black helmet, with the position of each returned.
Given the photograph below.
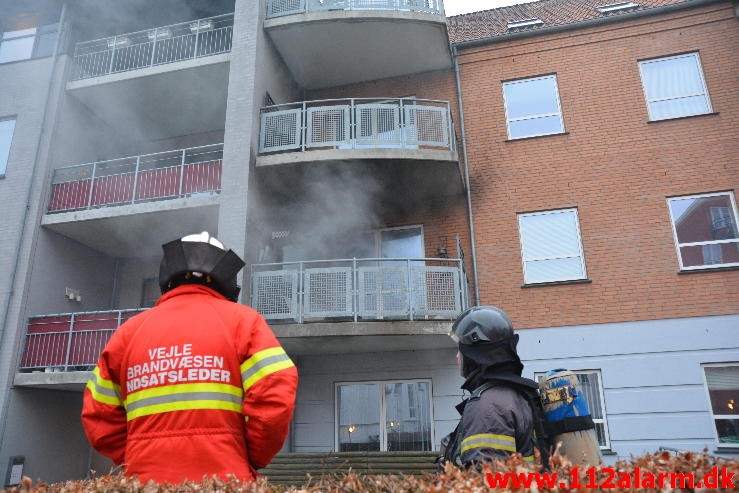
(200, 259)
(481, 324)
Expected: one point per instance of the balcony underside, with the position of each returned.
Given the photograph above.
(69, 380)
(136, 230)
(373, 45)
(143, 99)
(400, 184)
(363, 337)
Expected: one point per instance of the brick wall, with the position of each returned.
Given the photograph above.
(611, 164)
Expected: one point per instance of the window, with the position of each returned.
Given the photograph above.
(617, 8)
(674, 87)
(550, 246)
(705, 230)
(7, 127)
(532, 107)
(23, 38)
(525, 23)
(150, 292)
(592, 388)
(722, 384)
(384, 416)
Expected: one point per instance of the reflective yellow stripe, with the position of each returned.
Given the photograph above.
(529, 458)
(262, 364)
(103, 390)
(221, 388)
(489, 440)
(184, 397)
(183, 406)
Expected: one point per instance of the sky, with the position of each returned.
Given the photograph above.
(456, 7)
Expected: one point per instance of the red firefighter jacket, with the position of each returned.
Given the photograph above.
(197, 385)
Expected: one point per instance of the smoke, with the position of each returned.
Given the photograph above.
(323, 213)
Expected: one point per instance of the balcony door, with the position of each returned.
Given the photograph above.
(384, 416)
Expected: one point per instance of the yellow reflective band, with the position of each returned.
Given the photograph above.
(257, 357)
(183, 388)
(104, 391)
(489, 440)
(105, 399)
(183, 406)
(267, 370)
(529, 458)
(102, 382)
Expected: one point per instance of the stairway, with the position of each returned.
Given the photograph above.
(293, 468)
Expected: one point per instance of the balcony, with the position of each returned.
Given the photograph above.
(90, 202)
(60, 349)
(321, 307)
(153, 47)
(127, 80)
(334, 42)
(405, 127)
(359, 290)
(407, 144)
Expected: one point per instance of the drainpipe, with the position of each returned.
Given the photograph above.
(470, 217)
(13, 274)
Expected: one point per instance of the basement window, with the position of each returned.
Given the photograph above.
(617, 8)
(525, 24)
(722, 384)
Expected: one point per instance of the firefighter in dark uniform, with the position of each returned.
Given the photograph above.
(498, 419)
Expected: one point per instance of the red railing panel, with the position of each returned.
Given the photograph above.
(112, 189)
(69, 195)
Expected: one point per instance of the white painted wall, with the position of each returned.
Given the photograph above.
(651, 371)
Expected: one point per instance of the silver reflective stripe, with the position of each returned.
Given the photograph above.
(184, 396)
(103, 390)
(262, 364)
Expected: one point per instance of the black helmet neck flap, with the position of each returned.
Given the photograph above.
(200, 261)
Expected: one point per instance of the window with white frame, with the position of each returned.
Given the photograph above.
(674, 87)
(384, 416)
(551, 248)
(592, 389)
(532, 107)
(722, 385)
(23, 37)
(705, 230)
(7, 128)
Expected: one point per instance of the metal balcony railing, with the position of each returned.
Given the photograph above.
(356, 124)
(69, 341)
(166, 44)
(158, 176)
(277, 8)
(359, 289)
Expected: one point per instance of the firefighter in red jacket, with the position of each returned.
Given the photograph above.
(196, 386)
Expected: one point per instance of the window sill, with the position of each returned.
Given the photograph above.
(556, 283)
(727, 450)
(607, 451)
(536, 137)
(683, 117)
(708, 269)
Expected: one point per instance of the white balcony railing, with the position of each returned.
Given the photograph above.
(166, 44)
(356, 124)
(359, 289)
(159, 176)
(69, 341)
(277, 8)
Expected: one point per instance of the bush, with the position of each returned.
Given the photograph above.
(451, 479)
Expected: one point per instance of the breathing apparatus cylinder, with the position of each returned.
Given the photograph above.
(568, 421)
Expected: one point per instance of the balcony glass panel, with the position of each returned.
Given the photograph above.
(278, 8)
(356, 124)
(359, 289)
(161, 45)
(148, 177)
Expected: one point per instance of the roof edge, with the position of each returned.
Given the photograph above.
(586, 23)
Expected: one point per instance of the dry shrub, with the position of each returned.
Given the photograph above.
(451, 479)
